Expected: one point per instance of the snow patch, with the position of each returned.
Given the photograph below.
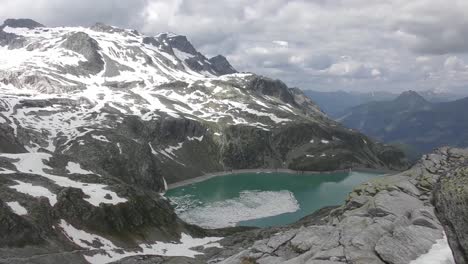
(17, 208)
(120, 148)
(168, 249)
(200, 138)
(440, 253)
(171, 149)
(113, 253)
(73, 167)
(84, 239)
(35, 191)
(100, 138)
(33, 163)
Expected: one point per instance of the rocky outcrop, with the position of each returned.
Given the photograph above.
(21, 23)
(451, 202)
(222, 65)
(386, 220)
(83, 44)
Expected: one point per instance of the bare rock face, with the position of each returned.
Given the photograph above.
(21, 23)
(17, 231)
(451, 202)
(222, 65)
(83, 44)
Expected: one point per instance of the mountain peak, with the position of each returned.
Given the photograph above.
(21, 23)
(179, 42)
(411, 98)
(222, 65)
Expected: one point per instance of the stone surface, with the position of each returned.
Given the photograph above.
(451, 201)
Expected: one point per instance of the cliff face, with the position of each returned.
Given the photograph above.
(451, 202)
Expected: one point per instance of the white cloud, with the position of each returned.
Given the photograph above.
(453, 63)
(281, 43)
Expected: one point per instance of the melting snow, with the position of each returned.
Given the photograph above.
(120, 148)
(100, 138)
(84, 239)
(114, 253)
(73, 167)
(17, 208)
(171, 149)
(200, 138)
(35, 191)
(33, 163)
(440, 253)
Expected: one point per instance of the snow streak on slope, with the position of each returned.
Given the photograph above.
(114, 253)
(33, 163)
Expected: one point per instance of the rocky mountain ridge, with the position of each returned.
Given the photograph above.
(337, 103)
(413, 122)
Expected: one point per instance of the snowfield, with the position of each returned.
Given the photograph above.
(113, 253)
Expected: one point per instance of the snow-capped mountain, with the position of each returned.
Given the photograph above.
(96, 121)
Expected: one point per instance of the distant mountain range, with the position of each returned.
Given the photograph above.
(336, 103)
(413, 121)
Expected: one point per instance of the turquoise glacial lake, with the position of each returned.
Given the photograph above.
(261, 199)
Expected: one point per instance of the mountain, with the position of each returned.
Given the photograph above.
(412, 121)
(96, 121)
(336, 104)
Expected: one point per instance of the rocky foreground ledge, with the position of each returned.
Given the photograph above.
(391, 219)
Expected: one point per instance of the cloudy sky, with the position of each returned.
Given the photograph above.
(359, 45)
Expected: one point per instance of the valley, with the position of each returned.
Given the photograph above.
(411, 122)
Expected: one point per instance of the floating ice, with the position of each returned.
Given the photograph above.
(249, 205)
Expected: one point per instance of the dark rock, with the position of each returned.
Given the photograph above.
(21, 23)
(8, 142)
(451, 203)
(15, 230)
(141, 212)
(83, 44)
(221, 65)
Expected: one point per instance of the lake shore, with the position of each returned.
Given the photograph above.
(244, 171)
